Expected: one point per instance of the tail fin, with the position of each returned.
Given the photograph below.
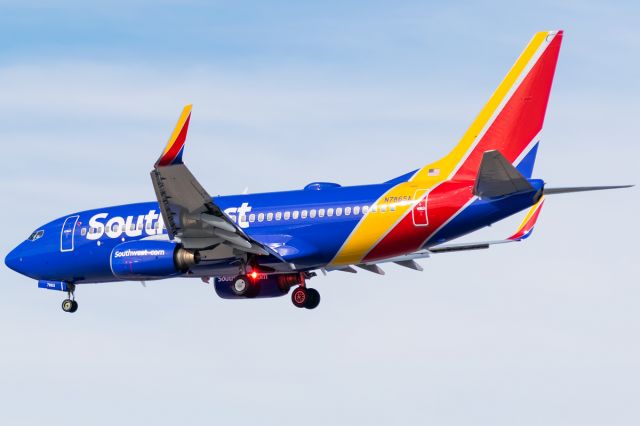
(512, 119)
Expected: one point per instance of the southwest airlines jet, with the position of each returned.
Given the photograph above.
(263, 245)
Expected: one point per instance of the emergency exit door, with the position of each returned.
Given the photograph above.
(420, 216)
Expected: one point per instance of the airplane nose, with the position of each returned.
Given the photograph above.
(13, 260)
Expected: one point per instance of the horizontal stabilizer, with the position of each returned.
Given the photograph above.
(497, 177)
(570, 189)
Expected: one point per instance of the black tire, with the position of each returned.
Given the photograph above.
(74, 307)
(313, 298)
(67, 305)
(299, 297)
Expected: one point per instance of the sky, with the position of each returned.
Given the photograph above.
(286, 93)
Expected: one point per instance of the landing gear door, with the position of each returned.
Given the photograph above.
(419, 211)
(68, 232)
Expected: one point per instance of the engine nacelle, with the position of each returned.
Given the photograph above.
(138, 260)
(268, 285)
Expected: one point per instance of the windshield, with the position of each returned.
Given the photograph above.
(36, 235)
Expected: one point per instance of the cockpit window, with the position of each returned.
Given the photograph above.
(36, 235)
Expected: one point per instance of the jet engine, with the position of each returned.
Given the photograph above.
(139, 260)
(262, 285)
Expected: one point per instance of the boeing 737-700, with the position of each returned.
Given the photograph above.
(263, 245)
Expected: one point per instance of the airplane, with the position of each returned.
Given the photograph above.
(263, 245)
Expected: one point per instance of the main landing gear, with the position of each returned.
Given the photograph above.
(249, 286)
(70, 305)
(305, 297)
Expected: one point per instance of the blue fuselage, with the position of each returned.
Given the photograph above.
(306, 227)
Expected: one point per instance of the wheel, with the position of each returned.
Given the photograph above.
(299, 297)
(243, 286)
(68, 305)
(313, 298)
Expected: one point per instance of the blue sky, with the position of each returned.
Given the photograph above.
(286, 93)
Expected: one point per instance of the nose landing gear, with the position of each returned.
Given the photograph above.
(70, 305)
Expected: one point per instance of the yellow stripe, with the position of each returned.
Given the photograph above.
(374, 226)
(448, 163)
(183, 118)
(530, 214)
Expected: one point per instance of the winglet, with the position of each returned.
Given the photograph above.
(172, 153)
(526, 227)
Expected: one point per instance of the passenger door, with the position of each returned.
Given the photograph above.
(68, 233)
(419, 212)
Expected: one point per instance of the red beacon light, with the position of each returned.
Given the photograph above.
(253, 275)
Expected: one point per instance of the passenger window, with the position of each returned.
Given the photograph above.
(157, 226)
(139, 226)
(374, 209)
(347, 211)
(383, 208)
(321, 213)
(356, 210)
(252, 217)
(303, 215)
(295, 214)
(330, 212)
(83, 232)
(278, 215)
(287, 215)
(243, 219)
(149, 225)
(312, 213)
(392, 207)
(339, 211)
(260, 217)
(269, 217)
(365, 209)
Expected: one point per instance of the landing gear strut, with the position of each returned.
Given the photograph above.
(70, 305)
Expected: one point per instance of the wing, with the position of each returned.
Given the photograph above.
(190, 214)
(523, 232)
